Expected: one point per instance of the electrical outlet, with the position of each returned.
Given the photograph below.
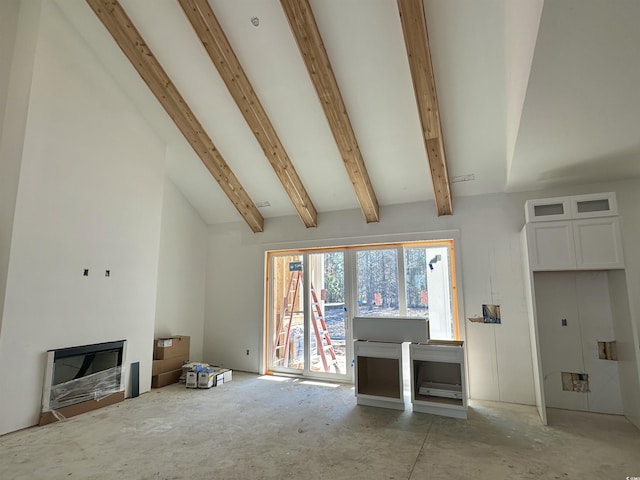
(247, 351)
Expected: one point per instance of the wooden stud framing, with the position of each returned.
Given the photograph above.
(216, 44)
(305, 30)
(134, 47)
(416, 39)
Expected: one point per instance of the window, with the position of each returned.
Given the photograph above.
(411, 280)
(377, 282)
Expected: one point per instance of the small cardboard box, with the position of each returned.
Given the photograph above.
(165, 379)
(192, 379)
(171, 347)
(165, 366)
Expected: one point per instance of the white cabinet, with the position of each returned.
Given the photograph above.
(593, 205)
(547, 209)
(379, 380)
(580, 232)
(438, 384)
(587, 244)
(551, 245)
(572, 207)
(598, 243)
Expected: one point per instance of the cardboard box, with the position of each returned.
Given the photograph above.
(165, 379)
(177, 347)
(192, 379)
(165, 366)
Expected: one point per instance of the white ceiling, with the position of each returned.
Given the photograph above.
(530, 96)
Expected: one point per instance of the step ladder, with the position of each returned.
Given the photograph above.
(323, 340)
(281, 344)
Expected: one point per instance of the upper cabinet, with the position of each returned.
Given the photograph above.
(571, 208)
(581, 232)
(598, 243)
(547, 209)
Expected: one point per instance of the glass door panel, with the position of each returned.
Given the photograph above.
(287, 318)
(327, 337)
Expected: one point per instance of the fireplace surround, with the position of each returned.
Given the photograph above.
(82, 378)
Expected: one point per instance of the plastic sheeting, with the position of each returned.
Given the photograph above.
(95, 386)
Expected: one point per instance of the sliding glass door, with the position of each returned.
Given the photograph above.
(308, 333)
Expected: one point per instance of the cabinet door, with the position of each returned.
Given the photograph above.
(598, 243)
(594, 205)
(551, 246)
(547, 209)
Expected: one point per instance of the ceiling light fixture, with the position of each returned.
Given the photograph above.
(262, 204)
(255, 21)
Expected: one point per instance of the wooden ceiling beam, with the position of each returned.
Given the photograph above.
(121, 28)
(305, 30)
(416, 39)
(217, 45)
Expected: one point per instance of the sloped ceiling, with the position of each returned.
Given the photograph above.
(529, 97)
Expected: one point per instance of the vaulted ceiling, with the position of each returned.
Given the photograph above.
(310, 106)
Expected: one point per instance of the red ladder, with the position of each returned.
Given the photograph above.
(288, 309)
(283, 329)
(323, 340)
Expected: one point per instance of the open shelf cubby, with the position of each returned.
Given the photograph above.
(438, 384)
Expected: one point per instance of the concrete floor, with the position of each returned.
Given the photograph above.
(253, 428)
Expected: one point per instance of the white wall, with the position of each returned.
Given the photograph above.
(89, 196)
(626, 349)
(16, 67)
(9, 11)
(499, 356)
(181, 271)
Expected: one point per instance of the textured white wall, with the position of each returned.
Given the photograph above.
(181, 271)
(89, 196)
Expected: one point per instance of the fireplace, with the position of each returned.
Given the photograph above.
(78, 378)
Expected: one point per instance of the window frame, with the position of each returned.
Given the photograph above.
(449, 238)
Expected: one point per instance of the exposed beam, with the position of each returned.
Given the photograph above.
(305, 30)
(416, 39)
(215, 42)
(136, 50)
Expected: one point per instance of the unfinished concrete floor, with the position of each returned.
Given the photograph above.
(254, 428)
